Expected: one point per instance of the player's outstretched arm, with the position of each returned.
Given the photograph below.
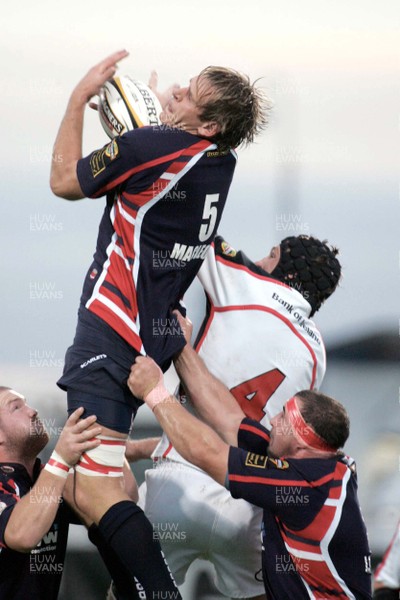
(32, 516)
(140, 449)
(68, 145)
(194, 440)
(211, 398)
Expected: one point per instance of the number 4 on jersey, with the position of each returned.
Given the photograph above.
(253, 394)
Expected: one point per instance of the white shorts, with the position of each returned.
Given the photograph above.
(195, 517)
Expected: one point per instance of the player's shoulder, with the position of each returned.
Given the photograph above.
(223, 248)
(154, 142)
(310, 469)
(160, 135)
(228, 253)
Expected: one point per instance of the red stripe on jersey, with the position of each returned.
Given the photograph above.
(145, 196)
(274, 482)
(168, 450)
(102, 311)
(310, 539)
(151, 163)
(233, 265)
(334, 492)
(317, 530)
(284, 320)
(4, 490)
(253, 429)
(125, 286)
(117, 273)
(197, 147)
(323, 583)
(158, 186)
(124, 229)
(189, 152)
(117, 301)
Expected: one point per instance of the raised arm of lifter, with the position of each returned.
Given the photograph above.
(211, 398)
(195, 440)
(68, 145)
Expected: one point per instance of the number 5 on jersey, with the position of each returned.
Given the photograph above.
(210, 214)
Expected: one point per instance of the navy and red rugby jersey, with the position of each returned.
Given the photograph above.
(166, 190)
(314, 538)
(37, 574)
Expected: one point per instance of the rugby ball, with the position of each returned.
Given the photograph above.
(125, 104)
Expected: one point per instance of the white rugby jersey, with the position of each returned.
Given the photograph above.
(257, 337)
(388, 571)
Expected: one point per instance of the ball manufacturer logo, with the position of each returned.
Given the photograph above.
(108, 115)
(150, 105)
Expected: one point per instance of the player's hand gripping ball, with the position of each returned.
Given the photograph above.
(125, 104)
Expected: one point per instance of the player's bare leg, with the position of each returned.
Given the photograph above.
(123, 531)
(106, 490)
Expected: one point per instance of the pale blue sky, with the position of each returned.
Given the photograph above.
(328, 165)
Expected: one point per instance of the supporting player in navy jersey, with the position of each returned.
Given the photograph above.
(259, 340)
(166, 188)
(387, 573)
(33, 517)
(314, 538)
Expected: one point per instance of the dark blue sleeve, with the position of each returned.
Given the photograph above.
(136, 154)
(293, 489)
(256, 477)
(253, 436)
(107, 167)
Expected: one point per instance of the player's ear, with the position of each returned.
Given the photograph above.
(209, 129)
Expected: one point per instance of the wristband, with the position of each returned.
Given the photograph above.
(57, 465)
(156, 395)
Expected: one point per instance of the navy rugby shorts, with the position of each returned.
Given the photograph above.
(96, 371)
